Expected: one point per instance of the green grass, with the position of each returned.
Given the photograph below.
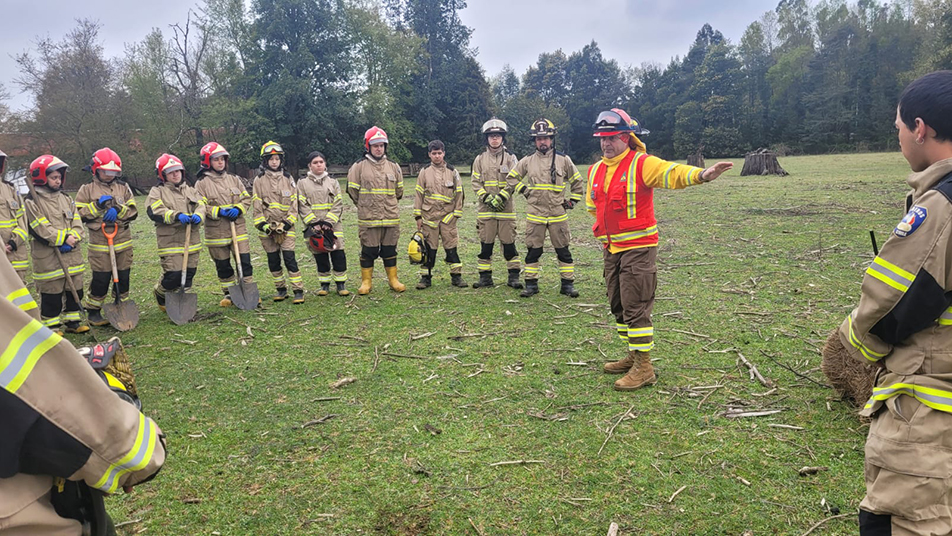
(761, 265)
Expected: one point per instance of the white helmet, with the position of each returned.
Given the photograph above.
(495, 126)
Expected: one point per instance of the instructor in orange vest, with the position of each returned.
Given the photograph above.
(620, 188)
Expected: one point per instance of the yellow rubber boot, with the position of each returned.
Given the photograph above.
(366, 281)
(395, 283)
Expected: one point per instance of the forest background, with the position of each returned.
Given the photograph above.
(805, 78)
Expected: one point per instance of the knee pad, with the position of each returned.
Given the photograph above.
(339, 259)
(290, 261)
(246, 267)
(369, 253)
(274, 261)
(389, 262)
(533, 255)
(51, 305)
(452, 256)
(388, 251)
(564, 255)
(71, 304)
(509, 251)
(224, 269)
(189, 275)
(171, 280)
(486, 251)
(99, 285)
(323, 262)
(124, 280)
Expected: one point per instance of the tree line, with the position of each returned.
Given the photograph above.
(314, 74)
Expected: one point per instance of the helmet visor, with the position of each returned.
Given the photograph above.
(110, 172)
(609, 120)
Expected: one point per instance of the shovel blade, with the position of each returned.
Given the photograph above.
(181, 306)
(244, 295)
(123, 315)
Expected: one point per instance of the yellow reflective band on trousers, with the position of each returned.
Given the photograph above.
(22, 353)
(135, 460)
(890, 274)
(22, 299)
(856, 343)
(938, 399)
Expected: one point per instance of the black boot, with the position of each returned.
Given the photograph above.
(325, 289)
(95, 318)
(568, 288)
(281, 294)
(457, 280)
(341, 291)
(514, 278)
(532, 287)
(298, 296)
(425, 281)
(485, 279)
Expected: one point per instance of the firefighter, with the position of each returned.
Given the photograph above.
(620, 188)
(275, 210)
(226, 201)
(902, 326)
(174, 205)
(375, 184)
(437, 206)
(13, 233)
(543, 178)
(495, 209)
(55, 224)
(59, 419)
(106, 203)
(321, 207)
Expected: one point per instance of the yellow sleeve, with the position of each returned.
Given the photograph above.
(658, 173)
(589, 202)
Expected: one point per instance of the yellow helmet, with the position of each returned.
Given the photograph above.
(542, 128)
(271, 148)
(417, 248)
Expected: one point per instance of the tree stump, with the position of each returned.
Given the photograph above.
(696, 159)
(762, 162)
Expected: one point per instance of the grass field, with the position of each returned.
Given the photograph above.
(763, 266)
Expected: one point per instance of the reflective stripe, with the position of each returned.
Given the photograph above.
(194, 248)
(331, 217)
(890, 274)
(322, 206)
(641, 332)
(58, 273)
(622, 330)
(119, 246)
(938, 399)
(856, 343)
(340, 278)
(634, 235)
(547, 187)
(381, 191)
(496, 215)
(23, 352)
(219, 242)
(439, 197)
(946, 318)
(379, 223)
(22, 299)
(353, 185)
(648, 346)
(136, 459)
(546, 219)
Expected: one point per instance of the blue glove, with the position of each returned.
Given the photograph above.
(231, 213)
(65, 248)
(195, 219)
(103, 199)
(184, 219)
(110, 215)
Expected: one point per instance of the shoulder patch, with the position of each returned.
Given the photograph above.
(450, 167)
(944, 186)
(911, 221)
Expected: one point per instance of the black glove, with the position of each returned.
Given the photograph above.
(569, 204)
(13, 245)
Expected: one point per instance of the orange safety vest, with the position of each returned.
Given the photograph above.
(624, 216)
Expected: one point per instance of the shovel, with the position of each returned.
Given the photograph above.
(122, 315)
(181, 306)
(243, 295)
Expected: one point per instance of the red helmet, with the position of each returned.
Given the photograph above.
(106, 160)
(44, 165)
(616, 121)
(373, 136)
(166, 164)
(212, 150)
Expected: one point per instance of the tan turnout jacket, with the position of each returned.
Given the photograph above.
(375, 187)
(439, 195)
(91, 214)
(319, 198)
(166, 201)
(489, 177)
(274, 200)
(544, 192)
(223, 190)
(52, 217)
(13, 226)
(89, 433)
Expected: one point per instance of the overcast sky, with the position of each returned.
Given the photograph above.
(513, 32)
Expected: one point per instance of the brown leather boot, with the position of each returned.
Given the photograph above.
(621, 366)
(640, 375)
